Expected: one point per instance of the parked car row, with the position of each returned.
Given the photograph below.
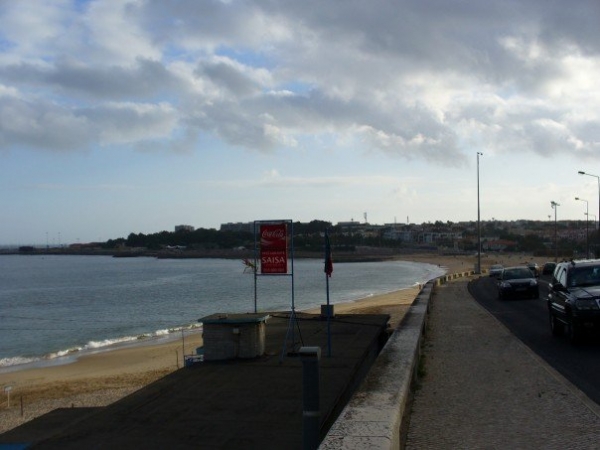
(547, 269)
(534, 268)
(574, 293)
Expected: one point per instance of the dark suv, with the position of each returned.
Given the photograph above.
(574, 298)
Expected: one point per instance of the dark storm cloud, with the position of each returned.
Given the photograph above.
(228, 77)
(144, 79)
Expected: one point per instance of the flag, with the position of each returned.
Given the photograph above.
(328, 261)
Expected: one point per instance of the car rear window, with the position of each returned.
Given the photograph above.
(515, 274)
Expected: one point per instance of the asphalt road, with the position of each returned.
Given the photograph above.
(528, 320)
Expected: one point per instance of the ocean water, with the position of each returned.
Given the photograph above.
(57, 307)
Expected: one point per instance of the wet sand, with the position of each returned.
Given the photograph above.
(102, 378)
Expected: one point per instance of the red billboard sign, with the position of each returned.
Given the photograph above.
(273, 248)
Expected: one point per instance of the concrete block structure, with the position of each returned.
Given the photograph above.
(232, 336)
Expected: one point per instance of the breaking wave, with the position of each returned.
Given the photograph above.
(69, 355)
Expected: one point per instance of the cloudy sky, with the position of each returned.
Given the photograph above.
(135, 116)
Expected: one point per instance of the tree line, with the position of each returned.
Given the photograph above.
(307, 236)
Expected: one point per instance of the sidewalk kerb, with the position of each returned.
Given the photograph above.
(375, 415)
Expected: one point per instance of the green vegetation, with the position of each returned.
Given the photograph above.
(563, 239)
(307, 236)
(566, 238)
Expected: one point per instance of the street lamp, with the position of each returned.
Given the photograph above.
(594, 216)
(555, 206)
(581, 172)
(478, 220)
(587, 231)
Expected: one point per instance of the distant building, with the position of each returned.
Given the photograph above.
(247, 227)
(179, 228)
(399, 235)
(349, 228)
(431, 237)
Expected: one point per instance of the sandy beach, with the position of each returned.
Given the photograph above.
(102, 378)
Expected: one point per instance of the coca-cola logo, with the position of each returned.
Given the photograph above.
(273, 248)
(273, 234)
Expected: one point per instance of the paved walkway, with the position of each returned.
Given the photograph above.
(483, 388)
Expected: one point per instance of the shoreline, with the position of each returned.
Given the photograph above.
(56, 356)
(100, 378)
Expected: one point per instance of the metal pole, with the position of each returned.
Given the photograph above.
(7, 390)
(255, 270)
(183, 346)
(581, 172)
(555, 206)
(478, 220)
(328, 321)
(587, 232)
(555, 237)
(327, 275)
(311, 413)
(594, 220)
(291, 222)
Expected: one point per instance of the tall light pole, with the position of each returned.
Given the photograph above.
(478, 219)
(555, 206)
(587, 230)
(581, 172)
(594, 216)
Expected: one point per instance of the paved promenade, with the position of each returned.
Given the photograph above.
(484, 389)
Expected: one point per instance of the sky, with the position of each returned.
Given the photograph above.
(121, 117)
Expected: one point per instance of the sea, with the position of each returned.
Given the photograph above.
(55, 308)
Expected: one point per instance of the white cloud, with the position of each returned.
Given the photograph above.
(369, 85)
(405, 72)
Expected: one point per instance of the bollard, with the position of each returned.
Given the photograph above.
(311, 414)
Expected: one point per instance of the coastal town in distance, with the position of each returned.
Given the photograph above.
(564, 239)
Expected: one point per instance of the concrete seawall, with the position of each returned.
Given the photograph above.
(375, 416)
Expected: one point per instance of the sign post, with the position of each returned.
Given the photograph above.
(274, 249)
(7, 390)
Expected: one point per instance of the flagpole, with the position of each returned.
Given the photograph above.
(328, 270)
(328, 320)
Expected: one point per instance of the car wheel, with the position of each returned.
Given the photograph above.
(574, 333)
(556, 326)
(536, 294)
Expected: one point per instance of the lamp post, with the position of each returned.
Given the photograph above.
(594, 216)
(555, 206)
(478, 220)
(587, 230)
(581, 172)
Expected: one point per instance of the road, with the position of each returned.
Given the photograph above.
(528, 320)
